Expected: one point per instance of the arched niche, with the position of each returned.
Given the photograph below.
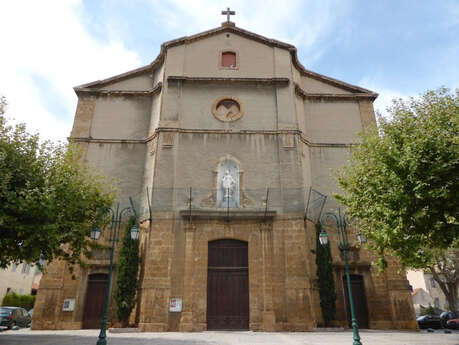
(228, 183)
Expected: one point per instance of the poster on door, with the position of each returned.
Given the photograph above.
(175, 305)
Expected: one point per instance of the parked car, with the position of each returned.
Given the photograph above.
(429, 321)
(30, 312)
(453, 323)
(14, 316)
(448, 315)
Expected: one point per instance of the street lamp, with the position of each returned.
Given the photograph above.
(95, 233)
(343, 244)
(115, 225)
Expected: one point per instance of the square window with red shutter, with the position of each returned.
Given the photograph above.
(229, 59)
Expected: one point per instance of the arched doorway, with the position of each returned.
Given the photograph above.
(228, 285)
(360, 301)
(95, 299)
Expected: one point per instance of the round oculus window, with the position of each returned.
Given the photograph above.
(227, 109)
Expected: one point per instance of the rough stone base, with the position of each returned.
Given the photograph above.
(283, 292)
(153, 327)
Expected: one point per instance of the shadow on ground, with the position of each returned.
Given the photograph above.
(19, 339)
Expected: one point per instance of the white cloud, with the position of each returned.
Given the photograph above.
(303, 24)
(386, 95)
(385, 98)
(46, 40)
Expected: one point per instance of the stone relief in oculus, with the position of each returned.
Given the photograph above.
(227, 109)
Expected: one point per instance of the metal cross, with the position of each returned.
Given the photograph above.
(228, 13)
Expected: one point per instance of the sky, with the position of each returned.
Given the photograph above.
(397, 48)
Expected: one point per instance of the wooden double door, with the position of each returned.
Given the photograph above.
(228, 285)
(360, 301)
(95, 300)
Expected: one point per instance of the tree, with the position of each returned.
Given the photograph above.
(49, 198)
(14, 300)
(327, 291)
(402, 184)
(126, 282)
(445, 271)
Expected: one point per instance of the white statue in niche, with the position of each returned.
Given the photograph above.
(228, 184)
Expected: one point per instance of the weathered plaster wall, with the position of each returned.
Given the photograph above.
(121, 117)
(325, 163)
(332, 122)
(83, 116)
(193, 104)
(202, 58)
(155, 113)
(315, 86)
(122, 161)
(139, 83)
(312, 85)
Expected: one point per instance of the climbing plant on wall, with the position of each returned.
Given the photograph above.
(126, 282)
(326, 282)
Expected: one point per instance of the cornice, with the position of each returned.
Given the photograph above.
(106, 140)
(158, 130)
(156, 89)
(223, 213)
(269, 81)
(118, 77)
(334, 96)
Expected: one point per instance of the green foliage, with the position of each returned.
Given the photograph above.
(430, 310)
(326, 281)
(14, 300)
(402, 180)
(49, 198)
(126, 283)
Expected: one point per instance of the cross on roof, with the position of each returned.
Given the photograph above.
(228, 13)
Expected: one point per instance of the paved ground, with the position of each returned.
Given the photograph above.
(89, 337)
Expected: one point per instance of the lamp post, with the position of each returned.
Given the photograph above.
(115, 225)
(341, 226)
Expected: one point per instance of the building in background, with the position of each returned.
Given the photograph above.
(426, 291)
(23, 279)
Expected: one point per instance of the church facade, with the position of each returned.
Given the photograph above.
(218, 143)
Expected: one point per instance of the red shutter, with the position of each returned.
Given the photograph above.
(229, 59)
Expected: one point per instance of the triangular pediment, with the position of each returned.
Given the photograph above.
(230, 28)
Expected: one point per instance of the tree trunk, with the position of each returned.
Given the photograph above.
(452, 298)
(448, 288)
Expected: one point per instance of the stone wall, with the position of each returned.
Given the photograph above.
(279, 287)
(283, 293)
(282, 280)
